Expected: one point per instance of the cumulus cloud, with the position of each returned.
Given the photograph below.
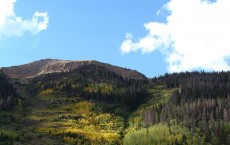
(13, 25)
(196, 35)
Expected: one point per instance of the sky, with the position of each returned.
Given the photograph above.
(153, 37)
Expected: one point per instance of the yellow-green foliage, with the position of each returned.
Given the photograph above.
(104, 88)
(158, 134)
(163, 134)
(77, 119)
(158, 95)
(46, 92)
(9, 133)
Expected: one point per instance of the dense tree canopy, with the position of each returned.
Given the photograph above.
(199, 101)
(8, 95)
(94, 83)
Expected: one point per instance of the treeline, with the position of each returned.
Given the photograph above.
(199, 84)
(94, 83)
(200, 102)
(8, 95)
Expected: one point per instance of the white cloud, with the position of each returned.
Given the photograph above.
(12, 25)
(196, 35)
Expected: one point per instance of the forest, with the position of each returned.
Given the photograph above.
(200, 102)
(94, 83)
(8, 94)
(92, 105)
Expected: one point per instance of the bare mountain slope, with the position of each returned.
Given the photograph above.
(45, 66)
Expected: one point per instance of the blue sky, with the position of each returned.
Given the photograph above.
(140, 34)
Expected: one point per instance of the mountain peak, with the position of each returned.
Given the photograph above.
(45, 66)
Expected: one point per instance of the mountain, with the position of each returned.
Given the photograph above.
(68, 102)
(46, 66)
(64, 102)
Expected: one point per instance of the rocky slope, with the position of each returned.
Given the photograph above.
(45, 66)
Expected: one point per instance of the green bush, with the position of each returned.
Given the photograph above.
(163, 134)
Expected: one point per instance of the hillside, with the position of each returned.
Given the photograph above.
(87, 104)
(185, 108)
(66, 104)
(46, 66)
(8, 95)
